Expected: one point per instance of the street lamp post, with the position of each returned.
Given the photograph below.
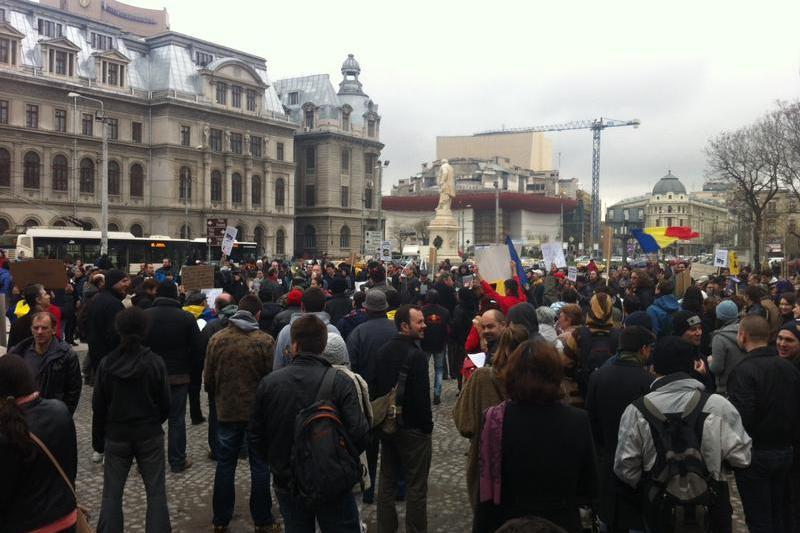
(101, 117)
(380, 166)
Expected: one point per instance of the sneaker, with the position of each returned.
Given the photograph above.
(97, 457)
(186, 466)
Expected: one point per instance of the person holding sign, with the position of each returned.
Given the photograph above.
(512, 286)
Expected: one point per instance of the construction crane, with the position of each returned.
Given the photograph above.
(596, 125)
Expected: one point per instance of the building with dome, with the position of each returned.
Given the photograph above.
(669, 204)
(338, 175)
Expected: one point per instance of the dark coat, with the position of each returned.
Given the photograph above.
(611, 388)
(32, 493)
(282, 394)
(765, 389)
(174, 336)
(102, 336)
(338, 306)
(131, 397)
(282, 319)
(549, 472)
(417, 402)
(365, 341)
(59, 376)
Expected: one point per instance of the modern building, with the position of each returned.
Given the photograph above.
(669, 204)
(339, 172)
(195, 129)
(528, 150)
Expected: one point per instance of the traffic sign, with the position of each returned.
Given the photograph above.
(215, 230)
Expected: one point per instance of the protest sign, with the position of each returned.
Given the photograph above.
(733, 263)
(553, 253)
(478, 359)
(227, 240)
(682, 282)
(386, 251)
(197, 277)
(721, 258)
(493, 262)
(572, 273)
(49, 272)
(212, 295)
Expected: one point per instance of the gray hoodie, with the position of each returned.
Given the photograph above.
(725, 354)
(283, 343)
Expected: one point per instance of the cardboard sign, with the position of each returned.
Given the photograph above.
(572, 273)
(682, 282)
(733, 263)
(721, 258)
(493, 262)
(197, 277)
(227, 240)
(49, 272)
(553, 253)
(386, 251)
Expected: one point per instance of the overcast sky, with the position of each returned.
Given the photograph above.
(686, 69)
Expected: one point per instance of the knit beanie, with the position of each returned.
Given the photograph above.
(335, 351)
(639, 318)
(114, 276)
(683, 320)
(791, 327)
(294, 297)
(727, 311)
(16, 379)
(673, 354)
(600, 309)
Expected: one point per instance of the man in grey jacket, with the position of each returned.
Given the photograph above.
(723, 442)
(313, 302)
(725, 351)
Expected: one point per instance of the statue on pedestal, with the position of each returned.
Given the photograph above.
(447, 188)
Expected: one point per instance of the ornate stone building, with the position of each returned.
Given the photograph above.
(338, 175)
(195, 130)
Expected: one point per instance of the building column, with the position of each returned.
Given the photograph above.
(228, 177)
(268, 194)
(206, 180)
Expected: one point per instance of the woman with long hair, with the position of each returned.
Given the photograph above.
(483, 389)
(550, 472)
(33, 494)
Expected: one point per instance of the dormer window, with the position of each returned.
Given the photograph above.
(59, 56)
(9, 44)
(51, 29)
(294, 98)
(309, 118)
(112, 68)
(102, 42)
(203, 58)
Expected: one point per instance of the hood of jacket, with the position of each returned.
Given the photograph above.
(667, 303)
(668, 392)
(322, 315)
(126, 364)
(228, 311)
(244, 320)
(729, 331)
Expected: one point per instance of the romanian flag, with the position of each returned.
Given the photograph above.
(653, 239)
(515, 257)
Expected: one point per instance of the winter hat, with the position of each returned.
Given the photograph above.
(337, 285)
(335, 351)
(673, 354)
(600, 309)
(639, 318)
(114, 276)
(376, 301)
(294, 297)
(15, 378)
(791, 327)
(683, 320)
(727, 311)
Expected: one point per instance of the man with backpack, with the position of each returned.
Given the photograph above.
(675, 444)
(662, 309)
(308, 423)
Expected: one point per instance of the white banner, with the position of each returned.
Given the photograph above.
(493, 262)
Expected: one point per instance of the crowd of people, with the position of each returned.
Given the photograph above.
(620, 401)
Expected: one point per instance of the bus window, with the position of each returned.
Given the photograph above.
(137, 252)
(91, 252)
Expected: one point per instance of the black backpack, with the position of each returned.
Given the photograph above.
(595, 348)
(679, 486)
(324, 462)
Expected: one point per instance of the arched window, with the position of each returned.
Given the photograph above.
(280, 192)
(112, 227)
(5, 168)
(60, 173)
(236, 188)
(344, 237)
(255, 190)
(310, 237)
(258, 237)
(280, 242)
(137, 230)
(216, 186)
(186, 232)
(60, 224)
(32, 171)
(30, 223)
(87, 176)
(240, 233)
(113, 178)
(185, 192)
(137, 182)
(669, 209)
(4, 226)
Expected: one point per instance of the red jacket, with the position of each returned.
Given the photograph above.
(508, 301)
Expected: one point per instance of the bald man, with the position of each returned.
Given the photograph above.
(492, 325)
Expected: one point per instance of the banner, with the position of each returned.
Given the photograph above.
(552, 252)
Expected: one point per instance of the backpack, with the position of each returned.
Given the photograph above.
(324, 463)
(595, 348)
(679, 484)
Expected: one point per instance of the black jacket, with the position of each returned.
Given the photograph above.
(447, 296)
(59, 376)
(282, 394)
(338, 306)
(437, 320)
(32, 493)
(364, 342)
(174, 336)
(417, 402)
(131, 397)
(765, 389)
(282, 319)
(103, 310)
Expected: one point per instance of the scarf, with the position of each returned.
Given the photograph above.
(490, 460)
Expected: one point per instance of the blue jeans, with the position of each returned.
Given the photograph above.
(230, 436)
(762, 487)
(339, 516)
(438, 368)
(212, 426)
(176, 426)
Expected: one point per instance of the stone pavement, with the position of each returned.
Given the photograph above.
(190, 493)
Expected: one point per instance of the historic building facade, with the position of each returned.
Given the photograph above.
(338, 175)
(195, 131)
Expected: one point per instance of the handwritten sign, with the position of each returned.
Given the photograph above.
(197, 277)
(553, 253)
(227, 240)
(49, 272)
(721, 258)
(211, 295)
(572, 273)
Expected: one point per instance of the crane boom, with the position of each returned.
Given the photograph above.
(596, 125)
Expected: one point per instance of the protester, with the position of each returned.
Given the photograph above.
(434, 343)
(726, 354)
(313, 302)
(102, 337)
(355, 317)
(36, 299)
(338, 305)
(662, 309)
(131, 401)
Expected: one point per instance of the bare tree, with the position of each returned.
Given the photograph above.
(749, 160)
(790, 151)
(421, 227)
(401, 234)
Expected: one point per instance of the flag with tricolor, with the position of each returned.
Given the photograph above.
(653, 239)
(515, 257)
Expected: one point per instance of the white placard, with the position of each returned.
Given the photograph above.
(359, 284)
(572, 273)
(721, 258)
(227, 240)
(493, 262)
(553, 253)
(479, 359)
(386, 251)
(211, 295)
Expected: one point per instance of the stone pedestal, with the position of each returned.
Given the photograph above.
(446, 227)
